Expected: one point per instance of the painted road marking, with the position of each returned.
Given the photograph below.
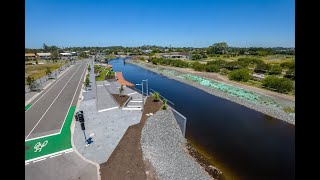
(51, 104)
(69, 151)
(39, 160)
(59, 141)
(108, 109)
(99, 85)
(26, 164)
(107, 84)
(45, 156)
(132, 93)
(27, 107)
(39, 146)
(55, 155)
(75, 92)
(49, 88)
(41, 137)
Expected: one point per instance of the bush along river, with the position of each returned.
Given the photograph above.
(243, 143)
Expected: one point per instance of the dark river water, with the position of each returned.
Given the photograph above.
(243, 143)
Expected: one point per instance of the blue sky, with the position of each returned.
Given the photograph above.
(179, 23)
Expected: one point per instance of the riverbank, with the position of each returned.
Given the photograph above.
(165, 148)
(273, 106)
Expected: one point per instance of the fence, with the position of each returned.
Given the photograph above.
(43, 79)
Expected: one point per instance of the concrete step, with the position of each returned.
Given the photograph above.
(136, 101)
(131, 109)
(133, 106)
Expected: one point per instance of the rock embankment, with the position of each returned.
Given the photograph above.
(165, 148)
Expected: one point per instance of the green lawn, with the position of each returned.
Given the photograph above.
(102, 75)
(37, 71)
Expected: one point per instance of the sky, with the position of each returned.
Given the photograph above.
(179, 23)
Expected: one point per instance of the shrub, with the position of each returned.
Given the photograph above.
(289, 65)
(164, 106)
(281, 85)
(262, 67)
(240, 75)
(198, 66)
(275, 69)
(290, 74)
(212, 68)
(156, 96)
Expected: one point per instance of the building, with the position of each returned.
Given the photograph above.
(30, 56)
(176, 55)
(66, 54)
(44, 55)
(74, 53)
(147, 51)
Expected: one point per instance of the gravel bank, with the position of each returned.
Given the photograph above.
(164, 147)
(290, 118)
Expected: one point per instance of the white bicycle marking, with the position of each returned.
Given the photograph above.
(39, 146)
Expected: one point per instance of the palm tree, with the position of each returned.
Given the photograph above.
(30, 82)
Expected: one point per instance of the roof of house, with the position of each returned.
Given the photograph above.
(29, 54)
(66, 54)
(44, 54)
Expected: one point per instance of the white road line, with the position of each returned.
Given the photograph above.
(51, 104)
(132, 93)
(68, 152)
(26, 164)
(107, 84)
(41, 137)
(39, 160)
(73, 97)
(45, 156)
(108, 109)
(99, 85)
(55, 155)
(48, 89)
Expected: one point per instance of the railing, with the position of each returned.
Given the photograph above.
(180, 119)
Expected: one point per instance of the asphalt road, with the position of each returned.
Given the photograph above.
(49, 109)
(64, 166)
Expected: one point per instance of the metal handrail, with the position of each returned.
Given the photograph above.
(163, 97)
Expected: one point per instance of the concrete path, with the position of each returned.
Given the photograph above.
(107, 126)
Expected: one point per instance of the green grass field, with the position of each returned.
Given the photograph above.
(37, 71)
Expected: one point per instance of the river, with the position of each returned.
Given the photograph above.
(244, 144)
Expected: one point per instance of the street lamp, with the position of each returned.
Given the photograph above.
(146, 85)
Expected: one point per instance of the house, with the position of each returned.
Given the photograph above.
(74, 53)
(30, 56)
(44, 55)
(176, 55)
(147, 51)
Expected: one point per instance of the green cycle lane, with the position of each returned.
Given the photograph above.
(27, 107)
(51, 144)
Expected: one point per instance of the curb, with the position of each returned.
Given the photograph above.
(72, 127)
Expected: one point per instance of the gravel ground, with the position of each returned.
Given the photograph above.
(290, 118)
(164, 147)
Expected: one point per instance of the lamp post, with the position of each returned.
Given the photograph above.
(142, 93)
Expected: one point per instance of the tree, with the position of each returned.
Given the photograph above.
(89, 68)
(121, 89)
(218, 48)
(37, 61)
(212, 68)
(45, 47)
(87, 82)
(282, 85)
(198, 66)
(289, 65)
(48, 71)
(240, 75)
(31, 83)
(54, 55)
(156, 96)
(275, 69)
